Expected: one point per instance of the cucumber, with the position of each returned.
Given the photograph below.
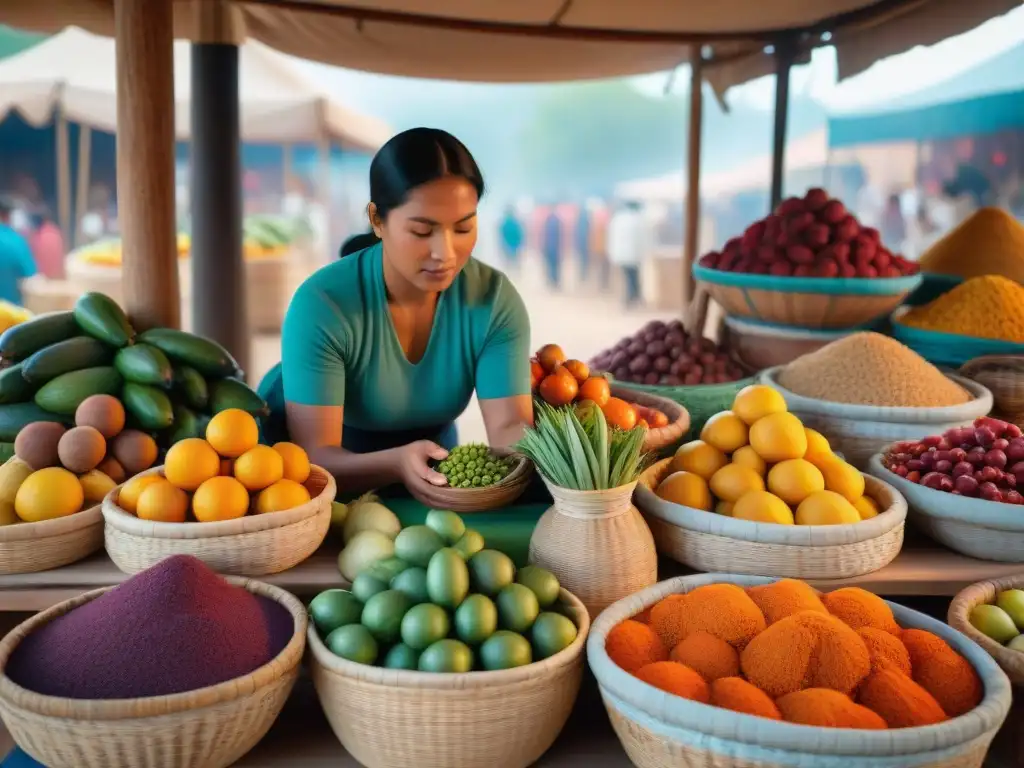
(99, 315)
(21, 340)
(186, 424)
(231, 393)
(72, 354)
(13, 387)
(65, 393)
(17, 415)
(206, 356)
(151, 408)
(6, 452)
(191, 385)
(144, 364)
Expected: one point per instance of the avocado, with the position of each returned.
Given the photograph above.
(447, 579)
(476, 619)
(366, 586)
(446, 656)
(469, 544)
(424, 625)
(542, 582)
(505, 650)
(353, 642)
(417, 544)
(334, 608)
(517, 608)
(383, 613)
(491, 571)
(401, 656)
(412, 582)
(447, 525)
(386, 569)
(552, 633)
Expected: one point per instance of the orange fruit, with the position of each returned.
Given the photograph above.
(296, 461)
(550, 356)
(762, 507)
(559, 388)
(726, 431)
(96, 486)
(733, 481)
(687, 489)
(793, 480)
(190, 462)
(163, 502)
(756, 401)
(700, 458)
(220, 498)
(596, 389)
(778, 436)
(619, 413)
(579, 370)
(128, 496)
(284, 494)
(47, 494)
(259, 467)
(536, 373)
(232, 432)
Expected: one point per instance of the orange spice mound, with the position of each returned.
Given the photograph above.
(828, 709)
(988, 242)
(943, 672)
(885, 648)
(806, 650)
(723, 610)
(737, 694)
(859, 608)
(784, 598)
(644, 617)
(900, 701)
(633, 645)
(675, 678)
(709, 656)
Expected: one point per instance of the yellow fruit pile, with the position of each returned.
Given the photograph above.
(758, 462)
(108, 252)
(223, 477)
(11, 315)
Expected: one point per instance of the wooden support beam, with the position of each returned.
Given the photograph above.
(786, 50)
(693, 153)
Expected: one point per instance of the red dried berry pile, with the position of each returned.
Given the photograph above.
(812, 236)
(983, 461)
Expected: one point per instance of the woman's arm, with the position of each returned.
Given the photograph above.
(505, 417)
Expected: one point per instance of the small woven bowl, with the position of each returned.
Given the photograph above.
(1011, 662)
(33, 547)
(659, 438)
(1003, 375)
(502, 494)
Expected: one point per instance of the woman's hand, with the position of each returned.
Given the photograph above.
(415, 470)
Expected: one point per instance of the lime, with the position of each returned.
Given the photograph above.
(551, 633)
(541, 582)
(353, 642)
(401, 656)
(366, 586)
(505, 650)
(491, 571)
(417, 544)
(413, 582)
(385, 570)
(517, 608)
(334, 608)
(470, 543)
(447, 579)
(338, 514)
(445, 524)
(446, 656)
(383, 613)
(424, 625)
(475, 619)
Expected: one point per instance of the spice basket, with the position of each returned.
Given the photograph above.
(389, 718)
(933, 285)
(1004, 377)
(207, 728)
(658, 729)
(253, 545)
(952, 349)
(701, 401)
(806, 302)
(762, 345)
(678, 417)
(713, 543)
(859, 431)
(596, 543)
(986, 530)
(33, 547)
(502, 494)
(1011, 662)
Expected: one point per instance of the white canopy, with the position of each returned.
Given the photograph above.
(77, 70)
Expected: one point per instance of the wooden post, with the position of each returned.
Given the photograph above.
(785, 53)
(82, 190)
(63, 173)
(692, 218)
(145, 161)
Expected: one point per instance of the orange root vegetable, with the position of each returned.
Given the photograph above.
(709, 656)
(784, 598)
(885, 648)
(737, 694)
(722, 610)
(675, 678)
(943, 672)
(826, 708)
(806, 650)
(633, 645)
(859, 608)
(900, 701)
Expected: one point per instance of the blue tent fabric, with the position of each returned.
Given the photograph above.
(18, 759)
(987, 98)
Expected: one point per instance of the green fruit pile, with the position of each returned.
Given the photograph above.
(474, 466)
(1003, 621)
(444, 603)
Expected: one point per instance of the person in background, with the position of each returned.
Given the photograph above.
(629, 243)
(512, 236)
(16, 262)
(893, 225)
(551, 247)
(582, 238)
(47, 244)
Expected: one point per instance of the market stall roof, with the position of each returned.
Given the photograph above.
(77, 70)
(14, 41)
(545, 40)
(983, 99)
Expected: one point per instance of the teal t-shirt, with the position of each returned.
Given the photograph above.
(339, 347)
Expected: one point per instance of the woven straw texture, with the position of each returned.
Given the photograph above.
(208, 728)
(32, 547)
(502, 494)
(1011, 662)
(596, 543)
(388, 718)
(253, 545)
(678, 417)
(659, 730)
(709, 542)
(1003, 375)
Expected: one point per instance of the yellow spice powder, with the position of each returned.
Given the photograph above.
(988, 242)
(989, 307)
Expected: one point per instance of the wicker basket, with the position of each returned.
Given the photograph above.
(502, 494)
(389, 718)
(659, 730)
(596, 543)
(709, 542)
(859, 431)
(987, 530)
(678, 417)
(1003, 375)
(760, 345)
(32, 547)
(253, 545)
(1011, 662)
(208, 728)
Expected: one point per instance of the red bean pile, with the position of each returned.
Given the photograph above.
(984, 461)
(663, 353)
(812, 236)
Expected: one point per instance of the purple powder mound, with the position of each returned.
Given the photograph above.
(175, 627)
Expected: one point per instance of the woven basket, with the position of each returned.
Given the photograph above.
(659, 730)
(253, 545)
(987, 530)
(32, 547)
(389, 718)
(208, 728)
(1011, 662)
(502, 494)
(859, 431)
(713, 543)
(1003, 375)
(678, 417)
(596, 543)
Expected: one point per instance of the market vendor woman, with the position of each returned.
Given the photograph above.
(382, 350)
